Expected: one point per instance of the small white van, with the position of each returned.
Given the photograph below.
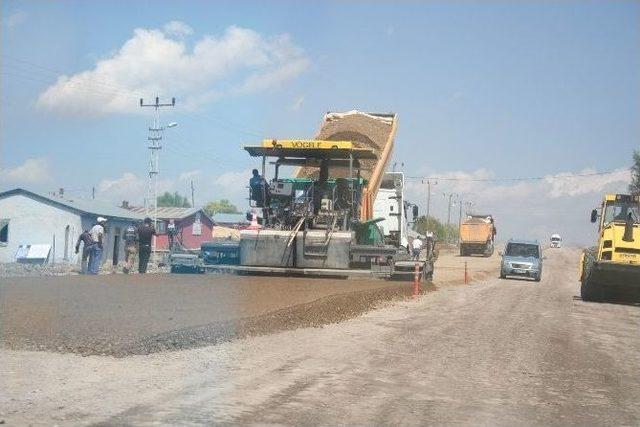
(556, 241)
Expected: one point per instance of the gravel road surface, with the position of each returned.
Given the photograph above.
(496, 352)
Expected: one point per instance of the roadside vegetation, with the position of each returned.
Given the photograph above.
(634, 187)
(221, 206)
(443, 232)
(173, 200)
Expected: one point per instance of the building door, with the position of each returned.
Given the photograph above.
(67, 232)
(116, 247)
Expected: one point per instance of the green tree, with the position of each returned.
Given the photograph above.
(220, 206)
(175, 200)
(442, 232)
(634, 187)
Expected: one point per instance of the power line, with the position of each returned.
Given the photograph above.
(109, 88)
(531, 178)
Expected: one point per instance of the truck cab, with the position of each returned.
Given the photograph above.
(395, 216)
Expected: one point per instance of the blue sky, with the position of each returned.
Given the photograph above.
(482, 89)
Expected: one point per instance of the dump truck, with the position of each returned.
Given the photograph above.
(611, 270)
(477, 234)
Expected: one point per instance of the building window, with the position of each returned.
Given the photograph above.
(4, 232)
(196, 229)
(161, 227)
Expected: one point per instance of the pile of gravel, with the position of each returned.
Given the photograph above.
(14, 269)
(363, 129)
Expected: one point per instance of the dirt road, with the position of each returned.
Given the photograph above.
(492, 353)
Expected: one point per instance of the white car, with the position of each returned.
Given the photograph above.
(556, 241)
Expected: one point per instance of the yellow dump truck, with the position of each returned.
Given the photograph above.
(612, 269)
(477, 233)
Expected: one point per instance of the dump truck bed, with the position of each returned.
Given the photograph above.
(475, 232)
(375, 131)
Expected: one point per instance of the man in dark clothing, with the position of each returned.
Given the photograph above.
(259, 189)
(87, 241)
(145, 235)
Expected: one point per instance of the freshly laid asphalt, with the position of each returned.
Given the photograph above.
(121, 315)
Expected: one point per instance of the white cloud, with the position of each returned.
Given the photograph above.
(571, 185)
(297, 104)
(233, 180)
(558, 203)
(32, 171)
(128, 186)
(185, 176)
(16, 18)
(178, 29)
(159, 62)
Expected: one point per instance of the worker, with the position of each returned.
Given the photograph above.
(87, 242)
(417, 247)
(256, 179)
(171, 234)
(404, 242)
(259, 190)
(97, 236)
(130, 247)
(146, 231)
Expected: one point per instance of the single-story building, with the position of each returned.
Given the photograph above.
(193, 225)
(54, 222)
(238, 220)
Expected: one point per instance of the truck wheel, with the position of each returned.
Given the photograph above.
(502, 276)
(588, 291)
(537, 278)
(426, 275)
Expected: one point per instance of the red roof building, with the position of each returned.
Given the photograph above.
(193, 226)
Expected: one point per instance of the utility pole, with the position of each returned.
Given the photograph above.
(193, 203)
(459, 220)
(429, 200)
(450, 196)
(155, 136)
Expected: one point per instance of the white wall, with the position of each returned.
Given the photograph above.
(34, 222)
(114, 227)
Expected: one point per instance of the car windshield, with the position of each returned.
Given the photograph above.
(621, 211)
(522, 250)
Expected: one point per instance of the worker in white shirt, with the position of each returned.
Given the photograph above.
(97, 235)
(417, 247)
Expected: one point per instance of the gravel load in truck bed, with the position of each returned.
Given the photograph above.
(365, 130)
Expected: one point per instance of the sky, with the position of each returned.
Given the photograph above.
(485, 92)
